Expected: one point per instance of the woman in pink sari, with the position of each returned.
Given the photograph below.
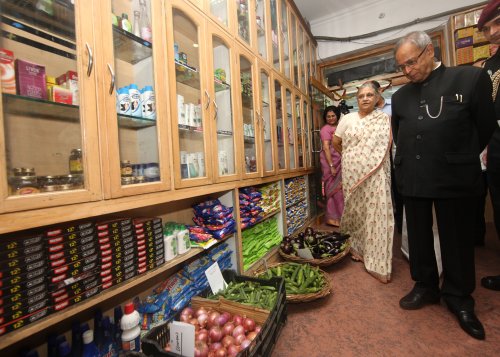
(331, 168)
(364, 139)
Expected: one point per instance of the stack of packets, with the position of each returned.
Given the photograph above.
(175, 293)
(296, 217)
(271, 198)
(214, 222)
(258, 240)
(250, 210)
(295, 189)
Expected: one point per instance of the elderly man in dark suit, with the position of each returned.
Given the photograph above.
(441, 121)
(489, 24)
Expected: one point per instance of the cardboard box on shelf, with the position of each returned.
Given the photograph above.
(8, 72)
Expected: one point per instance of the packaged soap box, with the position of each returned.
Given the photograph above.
(69, 80)
(8, 73)
(30, 79)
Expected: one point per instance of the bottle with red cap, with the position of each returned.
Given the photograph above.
(131, 331)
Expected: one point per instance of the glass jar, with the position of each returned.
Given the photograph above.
(126, 168)
(24, 185)
(47, 181)
(76, 162)
(128, 180)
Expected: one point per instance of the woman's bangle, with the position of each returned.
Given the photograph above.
(331, 165)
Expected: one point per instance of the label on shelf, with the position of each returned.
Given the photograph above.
(215, 278)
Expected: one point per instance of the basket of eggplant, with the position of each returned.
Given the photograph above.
(320, 248)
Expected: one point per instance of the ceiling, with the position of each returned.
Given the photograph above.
(322, 8)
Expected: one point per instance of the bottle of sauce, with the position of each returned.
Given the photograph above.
(76, 162)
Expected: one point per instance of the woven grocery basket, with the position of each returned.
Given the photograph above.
(298, 298)
(324, 262)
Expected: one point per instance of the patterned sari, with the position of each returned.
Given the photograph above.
(368, 215)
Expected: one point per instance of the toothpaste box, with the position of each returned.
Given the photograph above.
(30, 78)
(7, 71)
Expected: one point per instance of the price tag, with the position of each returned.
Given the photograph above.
(215, 278)
(305, 253)
(182, 338)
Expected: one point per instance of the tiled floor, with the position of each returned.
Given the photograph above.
(362, 316)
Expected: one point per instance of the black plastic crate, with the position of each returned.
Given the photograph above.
(154, 341)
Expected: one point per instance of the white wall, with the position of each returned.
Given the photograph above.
(361, 20)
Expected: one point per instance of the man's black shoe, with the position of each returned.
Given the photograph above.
(470, 323)
(417, 298)
(491, 282)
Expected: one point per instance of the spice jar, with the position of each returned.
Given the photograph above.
(76, 162)
(126, 168)
(24, 185)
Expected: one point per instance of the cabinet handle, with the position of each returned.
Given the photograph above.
(208, 99)
(91, 60)
(112, 84)
(216, 109)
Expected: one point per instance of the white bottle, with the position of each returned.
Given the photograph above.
(170, 245)
(131, 331)
(183, 241)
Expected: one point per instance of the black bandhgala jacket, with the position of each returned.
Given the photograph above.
(440, 127)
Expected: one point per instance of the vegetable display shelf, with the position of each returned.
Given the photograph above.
(259, 240)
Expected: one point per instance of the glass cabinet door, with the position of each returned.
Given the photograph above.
(307, 133)
(219, 10)
(290, 130)
(191, 100)
(261, 25)
(135, 161)
(48, 106)
(280, 125)
(275, 35)
(248, 116)
(222, 113)
(308, 64)
(284, 39)
(267, 128)
(295, 68)
(243, 15)
(302, 61)
(299, 132)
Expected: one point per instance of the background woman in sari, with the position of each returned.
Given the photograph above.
(331, 168)
(364, 139)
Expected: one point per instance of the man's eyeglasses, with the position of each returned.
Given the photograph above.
(411, 62)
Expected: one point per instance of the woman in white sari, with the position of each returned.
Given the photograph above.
(364, 139)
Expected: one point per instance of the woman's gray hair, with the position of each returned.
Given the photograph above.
(369, 84)
(418, 38)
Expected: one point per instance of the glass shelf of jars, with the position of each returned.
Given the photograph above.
(187, 75)
(249, 139)
(221, 85)
(39, 108)
(183, 128)
(131, 122)
(129, 47)
(224, 133)
(59, 20)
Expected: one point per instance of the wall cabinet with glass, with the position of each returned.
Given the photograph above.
(133, 72)
(284, 39)
(222, 88)
(49, 146)
(281, 123)
(262, 25)
(290, 130)
(220, 10)
(189, 95)
(299, 133)
(249, 118)
(243, 15)
(268, 136)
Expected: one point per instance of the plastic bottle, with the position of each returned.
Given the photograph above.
(89, 347)
(64, 349)
(117, 317)
(125, 23)
(146, 33)
(148, 102)
(170, 245)
(98, 329)
(76, 339)
(183, 241)
(131, 335)
(123, 101)
(135, 100)
(109, 347)
(137, 26)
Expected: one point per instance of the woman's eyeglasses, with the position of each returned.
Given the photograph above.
(411, 62)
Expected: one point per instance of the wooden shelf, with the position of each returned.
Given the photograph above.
(34, 328)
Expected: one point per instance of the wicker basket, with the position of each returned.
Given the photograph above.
(298, 298)
(324, 262)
